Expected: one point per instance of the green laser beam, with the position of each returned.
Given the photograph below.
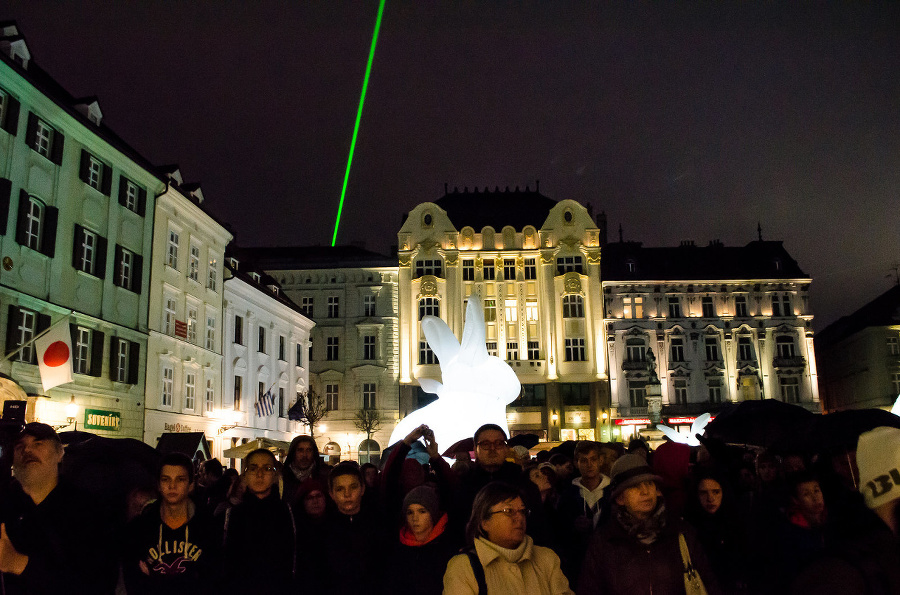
(362, 100)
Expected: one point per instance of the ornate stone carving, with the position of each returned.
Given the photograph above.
(428, 286)
(593, 257)
(572, 283)
(405, 260)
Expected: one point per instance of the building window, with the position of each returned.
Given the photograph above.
(893, 346)
(44, 139)
(94, 172)
(9, 113)
(332, 345)
(491, 348)
(740, 306)
(211, 332)
(509, 269)
(680, 391)
(194, 266)
(210, 395)
(172, 250)
(712, 349)
(239, 330)
(784, 346)
(261, 340)
(89, 253)
(426, 355)
(895, 381)
(575, 350)
(745, 349)
(633, 307)
(369, 347)
(299, 355)
(512, 311)
(490, 310)
(674, 307)
(24, 323)
(212, 277)
(533, 395)
(715, 390)
(637, 393)
(127, 269)
(130, 195)
(512, 350)
(531, 310)
(468, 269)
(368, 305)
(169, 317)
(34, 220)
(280, 401)
(569, 264)
(429, 307)
(676, 349)
(124, 360)
(575, 393)
(168, 385)
(790, 390)
(368, 395)
(428, 267)
(306, 306)
(334, 306)
(534, 350)
(573, 306)
(238, 392)
(781, 305)
(190, 383)
(192, 325)
(707, 306)
(331, 397)
(635, 350)
(488, 272)
(530, 269)
(281, 348)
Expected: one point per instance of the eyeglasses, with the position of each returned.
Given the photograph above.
(511, 512)
(495, 445)
(260, 468)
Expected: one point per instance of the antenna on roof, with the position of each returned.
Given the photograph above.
(759, 230)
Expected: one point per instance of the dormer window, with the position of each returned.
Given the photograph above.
(273, 289)
(233, 263)
(255, 277)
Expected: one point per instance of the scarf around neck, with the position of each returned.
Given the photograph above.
(644, 530)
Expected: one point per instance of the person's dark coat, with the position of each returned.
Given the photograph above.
(575, 526)
(419, 569)
(67, 540)
(353, 553)
(259, 546)
(291, 482)
(618, 564)
(182, 561)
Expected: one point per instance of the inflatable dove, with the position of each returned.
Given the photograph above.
(697, 428)
(475, 387)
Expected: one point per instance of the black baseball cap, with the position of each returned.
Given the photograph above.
(38, 431)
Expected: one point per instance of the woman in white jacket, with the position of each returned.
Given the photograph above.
(502, 559)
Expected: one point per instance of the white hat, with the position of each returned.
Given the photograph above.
(878, 458)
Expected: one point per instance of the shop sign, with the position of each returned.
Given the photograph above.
(176, 427)
(97, 419)
(633, 421)
(181, 329)
(578, 416)
(673, 421)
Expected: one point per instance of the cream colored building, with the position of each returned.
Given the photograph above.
(535, 263)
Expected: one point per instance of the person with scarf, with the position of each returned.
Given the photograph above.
(302, 463)
(637, 551)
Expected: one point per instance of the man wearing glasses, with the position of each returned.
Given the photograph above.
(260, 533)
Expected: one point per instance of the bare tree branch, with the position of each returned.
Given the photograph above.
(309, 410)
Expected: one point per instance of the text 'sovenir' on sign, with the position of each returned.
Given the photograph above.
(97, 419)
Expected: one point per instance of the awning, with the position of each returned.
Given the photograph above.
(193, 444)
(239, 452)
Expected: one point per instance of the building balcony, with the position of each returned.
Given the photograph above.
(690, 409)
(634, 365)
(796, 361)
(527, 366)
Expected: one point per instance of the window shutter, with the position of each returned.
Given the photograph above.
(48, 241)
(113, 357)
(134, 354)
(12, 319)
(43, 323)
(5, 200)
(85, 166)
(73, 334)
(11, 123)
(137, 274)
(122, 186)
(142, 201)
(117, 263)
(96, 353)
(31, 130)
(106, 180)
(22, 221)
(77, 261)
(56, 151)
(100, 255)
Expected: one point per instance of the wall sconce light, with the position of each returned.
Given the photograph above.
(71, 415)
(554, 417)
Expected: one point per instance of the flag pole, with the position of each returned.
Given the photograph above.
(10, 355)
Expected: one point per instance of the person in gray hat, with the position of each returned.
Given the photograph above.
(640, 530)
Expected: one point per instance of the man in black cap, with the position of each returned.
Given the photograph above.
(46, 543)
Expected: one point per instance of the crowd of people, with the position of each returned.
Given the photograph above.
(600, 519)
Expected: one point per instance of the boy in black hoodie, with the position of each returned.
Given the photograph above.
(173, 546)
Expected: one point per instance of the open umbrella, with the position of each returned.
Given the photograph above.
(465, 445)
(526, 440)
(758, 423)
(840, 431)
(239, 452)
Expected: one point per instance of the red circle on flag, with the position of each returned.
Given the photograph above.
(57, 354)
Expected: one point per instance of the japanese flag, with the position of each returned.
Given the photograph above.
(54, 355)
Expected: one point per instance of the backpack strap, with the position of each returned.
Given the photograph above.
(478, 571)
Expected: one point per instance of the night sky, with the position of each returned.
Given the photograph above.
(679, 123)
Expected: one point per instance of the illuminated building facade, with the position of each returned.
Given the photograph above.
(351, 294)
(724, 324)
(535, 263)
(184, 350)
(860, 356)
(75, 240)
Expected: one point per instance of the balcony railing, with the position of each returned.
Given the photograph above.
(634, 365)
(796, 361)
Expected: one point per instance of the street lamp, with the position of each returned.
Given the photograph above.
(71, 415)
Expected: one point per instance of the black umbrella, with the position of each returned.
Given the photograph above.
(465, 445)
(526, 440)
(763, 423)
(840, 431)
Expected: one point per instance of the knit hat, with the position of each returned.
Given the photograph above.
(521, 451)
(878, 459)
(426, 497)
(630, 470)
(309, 486)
